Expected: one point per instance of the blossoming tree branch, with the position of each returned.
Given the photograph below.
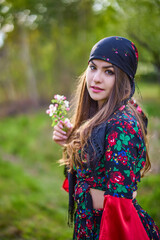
(58, 110)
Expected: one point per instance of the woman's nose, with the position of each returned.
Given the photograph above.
(97, 76)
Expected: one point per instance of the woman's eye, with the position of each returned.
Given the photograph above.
(92, 67)
(109, 72)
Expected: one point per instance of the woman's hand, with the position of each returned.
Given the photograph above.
(134, 195)
(59, 135)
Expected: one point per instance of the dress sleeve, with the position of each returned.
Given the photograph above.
(124, 158)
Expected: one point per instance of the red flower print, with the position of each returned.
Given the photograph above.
(135, 50)
(132, 176)
(102, 169)
(78, 190)
(89, 224)
(139, 109)
(122, 159)
(140, 132)
(108, 155)
(133, 46)
(117, 177)
(118, 38)
(115, 50)
(108, 185)
(130, 128)
(122, 107)
(112, 138)
(143, 163)
(83, 215)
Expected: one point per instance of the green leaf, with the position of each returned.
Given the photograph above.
(127, 172)
(122, 136)
(118, 146)
(121, 188)
(115, 169)
(126, 139)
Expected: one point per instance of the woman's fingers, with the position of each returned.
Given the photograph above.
(61, 132)
(59, 139)
(59, 129)
(134, 194)
(59, 136)
(67, 125)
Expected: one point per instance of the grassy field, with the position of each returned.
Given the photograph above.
(32, 204)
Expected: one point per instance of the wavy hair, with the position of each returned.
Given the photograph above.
(87, 115)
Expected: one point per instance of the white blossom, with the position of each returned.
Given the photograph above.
(52, 109)
(68, 123)
(66, 104)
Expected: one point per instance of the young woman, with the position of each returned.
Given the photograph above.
(106, 149)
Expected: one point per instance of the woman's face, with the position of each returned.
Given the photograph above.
(100, 78)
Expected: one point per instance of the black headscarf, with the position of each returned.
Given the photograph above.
(119, 51)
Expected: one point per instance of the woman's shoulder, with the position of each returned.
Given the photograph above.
(124, 122)
(123, 116)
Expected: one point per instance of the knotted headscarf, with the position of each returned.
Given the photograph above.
(119, 51)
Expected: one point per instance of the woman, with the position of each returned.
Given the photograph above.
(106, 150)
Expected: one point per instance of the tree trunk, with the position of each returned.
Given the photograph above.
(30, 76)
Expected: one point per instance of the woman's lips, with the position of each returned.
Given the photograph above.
(96, 89)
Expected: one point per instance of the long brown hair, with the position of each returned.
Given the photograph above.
(87, 115)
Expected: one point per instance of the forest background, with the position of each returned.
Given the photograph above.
(44, 47)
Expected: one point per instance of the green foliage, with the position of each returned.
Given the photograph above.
(33, 204)
(29, 206)
(148, 95)
(140, 18)
(49, 41)
(149, 195)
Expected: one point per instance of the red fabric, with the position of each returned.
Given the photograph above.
(65, 185)
(120, 221)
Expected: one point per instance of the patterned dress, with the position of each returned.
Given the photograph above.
(117, 173)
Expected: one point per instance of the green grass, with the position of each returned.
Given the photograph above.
(32, 204)
(149, 196)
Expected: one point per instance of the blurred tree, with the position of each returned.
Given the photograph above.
(58, 21)
(20, 18)
(142, 20)
(52, 39)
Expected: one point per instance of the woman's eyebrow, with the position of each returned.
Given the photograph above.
(109, 66)
(103, 66)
